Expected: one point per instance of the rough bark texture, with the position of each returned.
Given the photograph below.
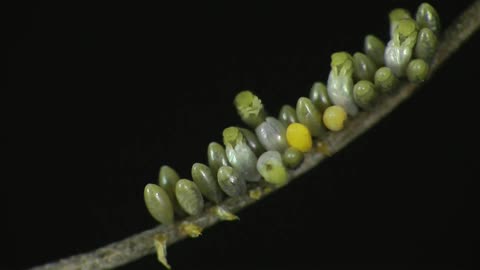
(141, 244)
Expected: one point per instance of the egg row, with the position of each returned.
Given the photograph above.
(275, 145)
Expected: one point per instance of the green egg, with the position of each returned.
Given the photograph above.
(385, 80)
(252, 141)
(308, 115)
(271, 134)
(427, 16)
(364, 67)
(216, 157)
(158, 204)
(319, 97)
(292, 157)
(206, 182)
(426, 45)
(340, 82)
(250, 108)
(364, 94)
(167, 178)
(417, 70)
(287, 115)
(375, 49)
(189, 197)
(240, 156)
(230, 182)
(396, 16)
(399, 50)
(271, 168)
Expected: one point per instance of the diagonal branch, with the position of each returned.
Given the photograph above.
(141, 244)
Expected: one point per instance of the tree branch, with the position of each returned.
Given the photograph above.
(141, 244)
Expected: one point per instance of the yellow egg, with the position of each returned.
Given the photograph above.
(298, 137)
(334, 118)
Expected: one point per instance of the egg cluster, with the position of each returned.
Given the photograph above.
(273, 146)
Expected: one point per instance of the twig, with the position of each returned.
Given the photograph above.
(141, 244)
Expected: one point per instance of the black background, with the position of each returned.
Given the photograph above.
(98, 97)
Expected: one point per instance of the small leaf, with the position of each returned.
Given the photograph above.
(323, 148)
(223, 214)
(191, 229)
(255, 194)
(160, 242)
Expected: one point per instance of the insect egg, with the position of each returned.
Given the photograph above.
(230, 182)
(206, 182)
(334, 118)
(158, 203)
(298, 137)
(189, 196)
(167, 179)
(271, 168)
(216, 157)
